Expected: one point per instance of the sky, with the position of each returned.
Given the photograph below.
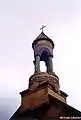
(20, 22)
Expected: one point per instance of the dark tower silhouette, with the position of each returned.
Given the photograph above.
(43, 100)
(43, 51)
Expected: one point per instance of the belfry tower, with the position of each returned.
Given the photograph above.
(43, 100)
(43, 51)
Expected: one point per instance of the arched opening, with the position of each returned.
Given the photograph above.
(43, 66)
(44, 56)
(43, 61)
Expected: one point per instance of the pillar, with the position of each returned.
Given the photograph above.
(47, 65)
(50, 65)
(37, 63)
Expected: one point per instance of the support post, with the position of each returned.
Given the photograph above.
(47, 65)
(50, 64)
(37, 63)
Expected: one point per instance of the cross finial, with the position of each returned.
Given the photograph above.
(42, 27)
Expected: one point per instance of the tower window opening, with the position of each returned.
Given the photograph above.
(43, 66)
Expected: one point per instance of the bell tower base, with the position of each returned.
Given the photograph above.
(32, 99)
(43, 103)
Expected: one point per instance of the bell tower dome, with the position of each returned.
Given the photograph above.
(43, 51)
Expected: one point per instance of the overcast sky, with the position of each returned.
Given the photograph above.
(20, 22)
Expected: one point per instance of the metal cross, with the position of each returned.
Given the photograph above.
(42, 27)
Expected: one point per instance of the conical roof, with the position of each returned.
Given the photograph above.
(42, 36)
